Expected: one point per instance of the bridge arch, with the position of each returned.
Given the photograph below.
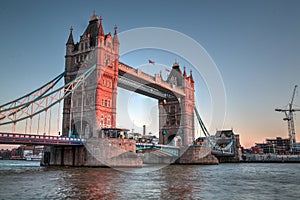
(174, 140)
(82, 129)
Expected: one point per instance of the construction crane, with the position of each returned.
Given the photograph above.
(289, 117)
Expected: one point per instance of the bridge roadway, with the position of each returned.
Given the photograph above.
(168, 150)
(18, 138)
(29, 139)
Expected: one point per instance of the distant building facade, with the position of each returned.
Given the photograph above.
(277, 145)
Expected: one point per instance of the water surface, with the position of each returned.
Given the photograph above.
(27, 180)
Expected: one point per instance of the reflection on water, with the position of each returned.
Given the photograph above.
(26, 180)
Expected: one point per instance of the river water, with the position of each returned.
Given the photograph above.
(27, 180)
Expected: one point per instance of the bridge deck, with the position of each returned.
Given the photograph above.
(154, 84)
(222, 153)
(18, 138)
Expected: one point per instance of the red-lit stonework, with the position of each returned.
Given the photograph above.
(100, 90)
(93, 106)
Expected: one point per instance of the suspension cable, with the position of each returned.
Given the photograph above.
(30, 125)
(50, 116)
(52, 83)
(45, 122)
(13, 128)
(38, 125)
(49, 122)
(70, 114)
(81, 114)
(25, 126)
(58, 118)
(40, 100)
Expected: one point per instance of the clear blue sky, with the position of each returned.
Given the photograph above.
(255, 45)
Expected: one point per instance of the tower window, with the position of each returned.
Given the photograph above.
(108, 121)
(109, 45)
(173, 109)
(101, 121)
(79, 102)
(105, 121)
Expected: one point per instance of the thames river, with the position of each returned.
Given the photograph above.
(27, 180)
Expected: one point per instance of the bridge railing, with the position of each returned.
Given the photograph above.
(18, 138)
(174, 151)
(222, 153)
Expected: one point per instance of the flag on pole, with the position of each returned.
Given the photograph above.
(167, 70)
(151, 62)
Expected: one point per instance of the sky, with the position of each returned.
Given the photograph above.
(255, 46)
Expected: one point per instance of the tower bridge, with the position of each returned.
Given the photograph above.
(175, 95)
(92, 75)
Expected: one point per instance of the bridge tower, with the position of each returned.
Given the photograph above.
(83, 114)
(176, 115)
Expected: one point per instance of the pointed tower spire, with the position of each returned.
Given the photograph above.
(116, 39)
(184, 72)
(191, 76)
(70, 39)
(101, 31)
(94, 17)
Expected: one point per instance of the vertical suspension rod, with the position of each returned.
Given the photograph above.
(70, 114)
(38, 125)
(81, 114)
